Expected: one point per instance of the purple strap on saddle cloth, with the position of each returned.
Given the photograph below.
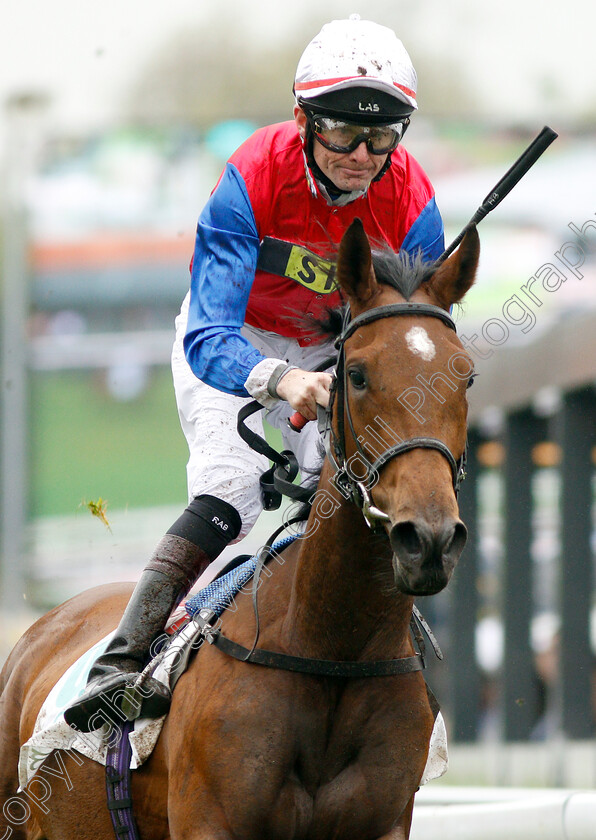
(118, 787)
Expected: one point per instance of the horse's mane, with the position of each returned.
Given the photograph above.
(402, 272)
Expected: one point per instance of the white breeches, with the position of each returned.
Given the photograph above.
(221, 463)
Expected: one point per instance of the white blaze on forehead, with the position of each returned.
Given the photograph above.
(420, 344)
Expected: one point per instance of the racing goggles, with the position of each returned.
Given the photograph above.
(343, 137)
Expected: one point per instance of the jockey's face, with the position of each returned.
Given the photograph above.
(348, 171)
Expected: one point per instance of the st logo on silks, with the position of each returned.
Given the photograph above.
(298, 263)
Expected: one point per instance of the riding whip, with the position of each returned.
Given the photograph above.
(514, 174)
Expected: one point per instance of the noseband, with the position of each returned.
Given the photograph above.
(356, 488)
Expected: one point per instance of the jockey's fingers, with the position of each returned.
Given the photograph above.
(316, 392)
(307, 411)
(305, 402)
(304, 389)
(323, 386)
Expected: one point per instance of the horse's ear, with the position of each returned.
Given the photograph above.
(355, 274)
(456, 275)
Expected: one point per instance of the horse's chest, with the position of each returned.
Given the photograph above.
(361, 800)
(353, 777)
(303, 759)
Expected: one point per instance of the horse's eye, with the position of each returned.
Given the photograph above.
(471, 380)
(357, 379)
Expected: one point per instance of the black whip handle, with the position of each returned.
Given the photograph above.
(515, 173)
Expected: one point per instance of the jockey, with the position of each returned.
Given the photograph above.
(260, 267)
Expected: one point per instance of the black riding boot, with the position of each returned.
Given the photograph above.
(176, 564)
(154, 597)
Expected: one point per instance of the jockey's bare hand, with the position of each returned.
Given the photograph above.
(304, 390)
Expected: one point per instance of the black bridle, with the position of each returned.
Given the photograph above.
(356, 487)
(280, 477)
(278, 480)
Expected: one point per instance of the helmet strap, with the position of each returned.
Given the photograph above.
(309, 142)
(383, 169)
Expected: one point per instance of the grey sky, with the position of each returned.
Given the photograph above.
(525, 58)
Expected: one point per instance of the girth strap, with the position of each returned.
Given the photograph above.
(118, 786)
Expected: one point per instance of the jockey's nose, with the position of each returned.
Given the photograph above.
(360, 153)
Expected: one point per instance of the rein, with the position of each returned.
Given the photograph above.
(278, 480)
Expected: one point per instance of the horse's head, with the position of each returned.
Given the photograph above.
(402, 382)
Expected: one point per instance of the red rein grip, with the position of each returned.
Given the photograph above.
(297, 421)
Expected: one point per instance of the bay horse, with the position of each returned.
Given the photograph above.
(255, 753)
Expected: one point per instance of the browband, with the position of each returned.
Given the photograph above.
(392, 309)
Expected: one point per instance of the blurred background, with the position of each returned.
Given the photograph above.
(115, 121)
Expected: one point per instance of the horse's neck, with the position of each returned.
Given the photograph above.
(344, 601)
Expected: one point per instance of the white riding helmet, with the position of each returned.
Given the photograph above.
(358, 54)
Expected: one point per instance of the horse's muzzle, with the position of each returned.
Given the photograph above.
(423, 558)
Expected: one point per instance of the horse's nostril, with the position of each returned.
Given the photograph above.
(459, 539)
(417, 540)
(405, 538)
(425, 558)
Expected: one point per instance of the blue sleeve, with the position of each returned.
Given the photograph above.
(223, 271)
(426, 234)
